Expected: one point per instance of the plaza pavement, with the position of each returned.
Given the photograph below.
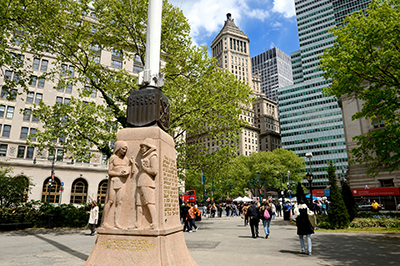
(219, 241)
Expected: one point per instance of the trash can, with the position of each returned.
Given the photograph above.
(286, 215)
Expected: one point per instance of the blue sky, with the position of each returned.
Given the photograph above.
(268, 23)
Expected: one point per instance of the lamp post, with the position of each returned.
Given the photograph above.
(282, 192)
(259, 185)
(309, 177)
(289, 191)
(51, 181)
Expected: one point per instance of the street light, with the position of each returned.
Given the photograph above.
(51, 181)
(290, 192)
(310, 176)
(259, 185)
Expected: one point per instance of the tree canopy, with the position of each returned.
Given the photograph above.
(203, 97)
(364, 63)
(262, 170)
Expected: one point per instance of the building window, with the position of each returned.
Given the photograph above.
(59, 99)
(137, 69)
(39, 97)
(54, 195)
(36, 63)
(41, 83)
(33, 81)
(3, 149)
(387, 183)
(79, 191)
(116, 64)
(2, 110)
(24, 133)
(44, 65)
(6, 131)
(29, 97)
(68, 89)
(29, 152)
(102, 191)
(33, 133)
(27, 114)
(21, 152)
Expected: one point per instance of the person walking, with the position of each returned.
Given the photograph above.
(93, 217)
(273, 209)
(244, 212)
(219, 210)
(279, 210)
(192, 217)
(213, 210)
(266, 216)
(253, 216)
(185, 215)
(304, 227)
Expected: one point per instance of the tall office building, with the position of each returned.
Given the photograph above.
(275, 70)
(311, 122)
(231, 49)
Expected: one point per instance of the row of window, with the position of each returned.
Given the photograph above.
(79, 190)
(324, 138)
(314, 130)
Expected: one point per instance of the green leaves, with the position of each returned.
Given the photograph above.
(364, 63)
(82, 36)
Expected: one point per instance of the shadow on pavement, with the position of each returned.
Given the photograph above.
(356, 249)
(64, 248)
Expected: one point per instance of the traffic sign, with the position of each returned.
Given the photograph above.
(62, 184)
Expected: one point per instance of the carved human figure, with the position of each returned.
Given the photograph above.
(148, 170)
(120, 169)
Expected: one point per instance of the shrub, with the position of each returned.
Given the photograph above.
(375, 222)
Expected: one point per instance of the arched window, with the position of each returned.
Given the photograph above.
(79, 191)
(54, 194)
(102, 191)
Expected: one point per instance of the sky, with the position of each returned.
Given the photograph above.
(268, 23)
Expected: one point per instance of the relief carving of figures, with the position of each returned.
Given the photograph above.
(121, 171)
(146, 184)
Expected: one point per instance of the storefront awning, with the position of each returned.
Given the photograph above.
(382, 191)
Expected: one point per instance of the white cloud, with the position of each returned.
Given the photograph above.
(206, 17)
(276, 24)
(285, 7)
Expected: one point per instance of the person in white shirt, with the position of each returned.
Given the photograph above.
(93, 217)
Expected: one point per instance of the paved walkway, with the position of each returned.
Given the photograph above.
(219, 241)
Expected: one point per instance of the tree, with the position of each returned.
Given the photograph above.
(364, 63)
(338, 216)
(203, 97)
(262, 170)
(349, 201)
(13, 189)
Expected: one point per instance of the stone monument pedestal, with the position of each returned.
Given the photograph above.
(141, 223)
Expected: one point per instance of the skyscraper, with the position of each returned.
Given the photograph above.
(275, 70)
(311, 122)
(231, 48)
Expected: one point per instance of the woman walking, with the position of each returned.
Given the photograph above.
(93, 217)
(304, 227)
(266, 215)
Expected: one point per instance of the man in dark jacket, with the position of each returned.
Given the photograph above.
(253, 215)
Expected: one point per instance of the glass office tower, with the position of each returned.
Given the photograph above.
(311, 122)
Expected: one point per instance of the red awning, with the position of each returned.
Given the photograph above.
(382, 191)
(318, 193)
